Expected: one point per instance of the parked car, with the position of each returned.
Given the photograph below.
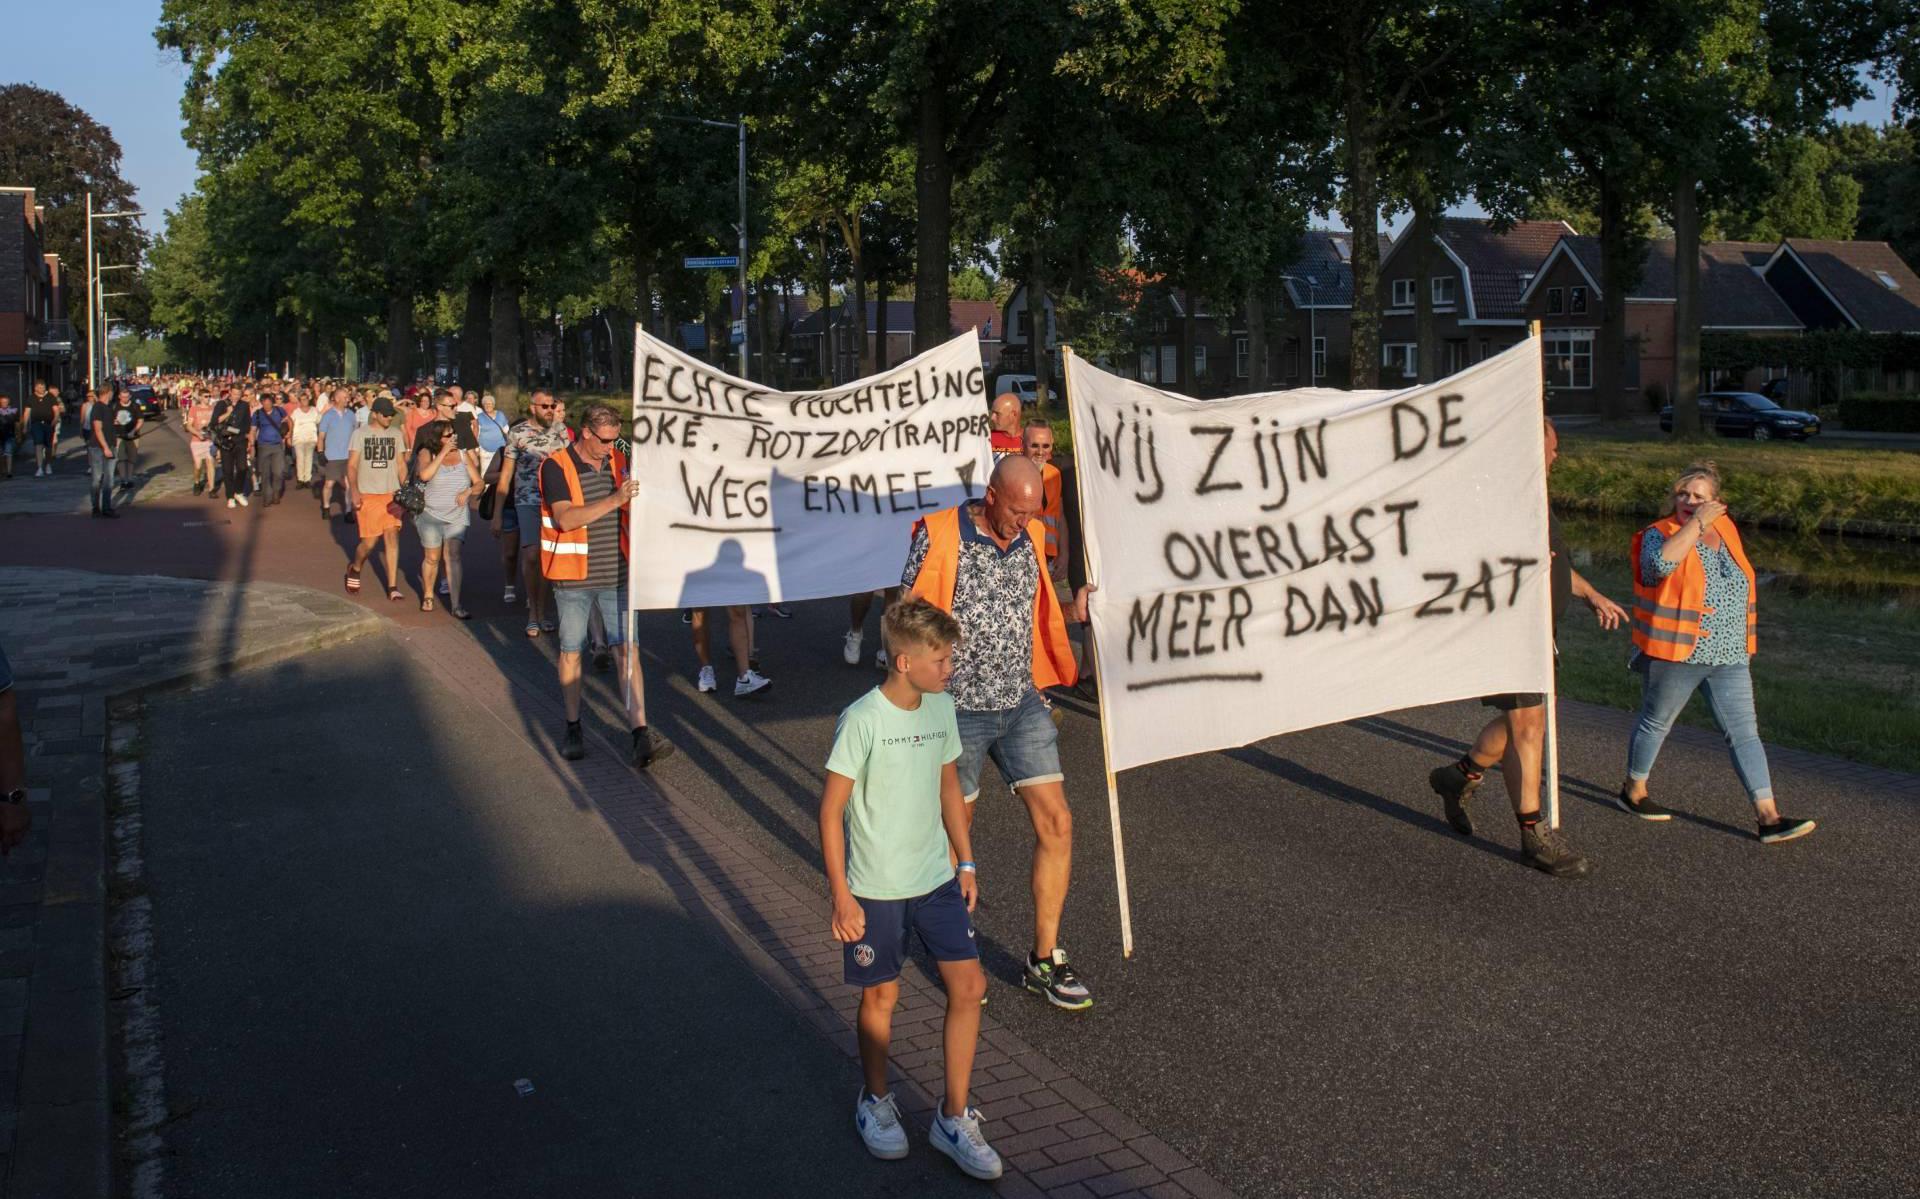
(146, 405)
(1027, 387)
(1748, 414)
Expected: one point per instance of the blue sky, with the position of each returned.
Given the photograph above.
(133, 88)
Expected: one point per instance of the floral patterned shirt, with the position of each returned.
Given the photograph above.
(528, 446)
(993, 598)
(1726, 624)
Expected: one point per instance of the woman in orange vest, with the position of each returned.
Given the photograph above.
(1694, 614)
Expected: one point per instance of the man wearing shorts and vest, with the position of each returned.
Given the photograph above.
(982, 562)
(584, 494)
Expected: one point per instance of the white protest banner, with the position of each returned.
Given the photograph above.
(751, 496)
(1274, 562)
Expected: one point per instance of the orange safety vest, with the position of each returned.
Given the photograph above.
(1053, 664)
(1669, 614)
(1054, 515)
(563, 553)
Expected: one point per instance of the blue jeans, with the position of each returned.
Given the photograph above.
(100, 488)
(1729, 690)
(576, 605)
(1022, 741)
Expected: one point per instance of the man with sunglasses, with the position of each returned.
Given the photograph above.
(529, 443)
(585, 491)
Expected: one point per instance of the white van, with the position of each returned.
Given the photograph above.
(1027, 387)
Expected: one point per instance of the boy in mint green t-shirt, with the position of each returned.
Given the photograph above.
(893, 825)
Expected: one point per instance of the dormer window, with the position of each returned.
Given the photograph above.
(1887, 281)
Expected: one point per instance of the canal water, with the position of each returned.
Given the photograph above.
(1877, 574)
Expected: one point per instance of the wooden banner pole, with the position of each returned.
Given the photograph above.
(1550, 751)
(1093, 658)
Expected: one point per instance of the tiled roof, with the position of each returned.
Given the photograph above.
(983, 315)
(1851, 270)
(1319, 258)
(1732, 295)
(1501, 263)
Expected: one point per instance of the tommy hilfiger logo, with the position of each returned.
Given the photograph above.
(915, 740)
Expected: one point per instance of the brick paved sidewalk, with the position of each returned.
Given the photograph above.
(75, 639)
(1058, 1137)
(66, 492)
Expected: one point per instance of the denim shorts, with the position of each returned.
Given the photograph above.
(526, 518)
(435, 531)
(1021, 740)
(576, 606)
(940, 917)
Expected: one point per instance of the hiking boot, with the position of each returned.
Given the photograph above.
(1455, 787)
(1056, 980)
(1784, 829)
(646, 751)
(1548, 850)
(573, 746)
(1644, 807)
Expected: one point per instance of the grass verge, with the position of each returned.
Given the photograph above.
(1834, 674)
(1797, 487)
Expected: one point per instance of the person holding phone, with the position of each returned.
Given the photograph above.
(1695, 615)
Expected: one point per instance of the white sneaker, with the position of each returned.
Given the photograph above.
(881, 660)
(232, 503)
(850, 652)
(959, 1138)
(707, 681)
(751, 683)
(879, 1123)
(444, 588)
(509, 596)
(243, 501)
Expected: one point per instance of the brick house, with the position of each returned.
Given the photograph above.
(1760, 289)
(36, 339)
(1478, 279)
(834, 341)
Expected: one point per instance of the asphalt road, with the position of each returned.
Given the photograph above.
(373, 915)
(1333, 993)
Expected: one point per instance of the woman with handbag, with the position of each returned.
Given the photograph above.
(448, 478)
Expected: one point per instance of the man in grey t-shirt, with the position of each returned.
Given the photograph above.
(374, 460)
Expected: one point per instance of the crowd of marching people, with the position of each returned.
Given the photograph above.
(974, 643)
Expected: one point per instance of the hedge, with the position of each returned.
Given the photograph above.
(1815, 350)
(1881, 412)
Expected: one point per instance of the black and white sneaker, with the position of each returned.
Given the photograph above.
(1784, 829)
(1056, 980)
(1644, 807)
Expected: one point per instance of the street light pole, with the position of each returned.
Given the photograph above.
(745, 360)
(94, 350)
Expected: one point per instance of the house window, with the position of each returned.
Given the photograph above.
(1569, 359)
(1887, 281)
(1169, 364)
(1403, 293)
(1576, 300)
(1554, 307)
(1199, 362)
(1486, 348)
(1456, 357)
(1319, 357)
(1148, 359)
(1402, 354)
(1241, 357)
(1293, 360)
(1443, 292)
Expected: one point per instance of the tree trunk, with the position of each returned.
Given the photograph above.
(1037, 317)
(880, 290)
(475, 339)
(860, 322)
(399, 361)
(1615, 271)
(933, 230)
(1189, 328)
(1426, 351)
(1256, 341)
(1686, 307)
(306, 352)
(1362, 207)
(829, 367)
(505, 348)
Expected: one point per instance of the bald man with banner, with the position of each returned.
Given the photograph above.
(985, 562)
